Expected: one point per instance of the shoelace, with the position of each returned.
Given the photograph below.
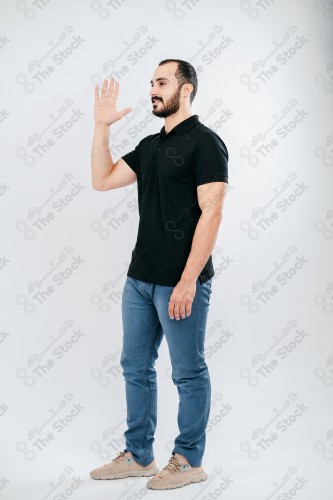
(173, 465)
(118, 458)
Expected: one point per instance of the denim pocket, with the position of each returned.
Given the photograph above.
(208, 284)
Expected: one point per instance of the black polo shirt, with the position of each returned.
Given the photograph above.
(169, 168)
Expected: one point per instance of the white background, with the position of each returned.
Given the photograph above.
(269, 335)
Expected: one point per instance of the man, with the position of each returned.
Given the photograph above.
(182, 179)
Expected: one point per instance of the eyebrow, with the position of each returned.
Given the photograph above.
(157, 79)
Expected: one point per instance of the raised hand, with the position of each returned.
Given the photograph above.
(105, 112)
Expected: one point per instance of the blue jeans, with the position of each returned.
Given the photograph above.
(145, 318)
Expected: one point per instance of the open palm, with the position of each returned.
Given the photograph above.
(105, 105)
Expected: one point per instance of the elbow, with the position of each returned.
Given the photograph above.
(98, 187)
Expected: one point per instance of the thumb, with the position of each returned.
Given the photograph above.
(124, 111)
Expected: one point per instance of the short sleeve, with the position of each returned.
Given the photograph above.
(210, 159)
(132, 158)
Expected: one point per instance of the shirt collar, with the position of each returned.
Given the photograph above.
(183, 126)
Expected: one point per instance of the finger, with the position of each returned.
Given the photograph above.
(97, 92)
(176, 311)
(182, 311)
(188, 309)
(104, 88)
(170, 309)
(115, 90)
(124, 111)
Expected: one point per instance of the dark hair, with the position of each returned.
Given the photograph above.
(185, 73)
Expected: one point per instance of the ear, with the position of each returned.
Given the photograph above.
(187, 89)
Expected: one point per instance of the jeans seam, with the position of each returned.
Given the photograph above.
(202, 375)
(148, 406)
(197, 322)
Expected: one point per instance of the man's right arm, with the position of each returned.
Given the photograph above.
(105, 174)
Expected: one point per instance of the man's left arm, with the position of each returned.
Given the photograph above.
(211, 198)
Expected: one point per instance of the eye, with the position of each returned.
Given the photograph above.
(160, 83)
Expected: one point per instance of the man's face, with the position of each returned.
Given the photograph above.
(165, 92)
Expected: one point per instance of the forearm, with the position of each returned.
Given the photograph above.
(101, 159)
(203, 242)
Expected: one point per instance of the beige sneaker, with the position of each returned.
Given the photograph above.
(176, 474)
(122, 466)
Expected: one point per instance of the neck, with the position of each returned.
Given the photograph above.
(171, 121)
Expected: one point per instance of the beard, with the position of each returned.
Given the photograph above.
(170, 107)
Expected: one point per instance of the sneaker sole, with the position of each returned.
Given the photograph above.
(134, 473)
(195, 479)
